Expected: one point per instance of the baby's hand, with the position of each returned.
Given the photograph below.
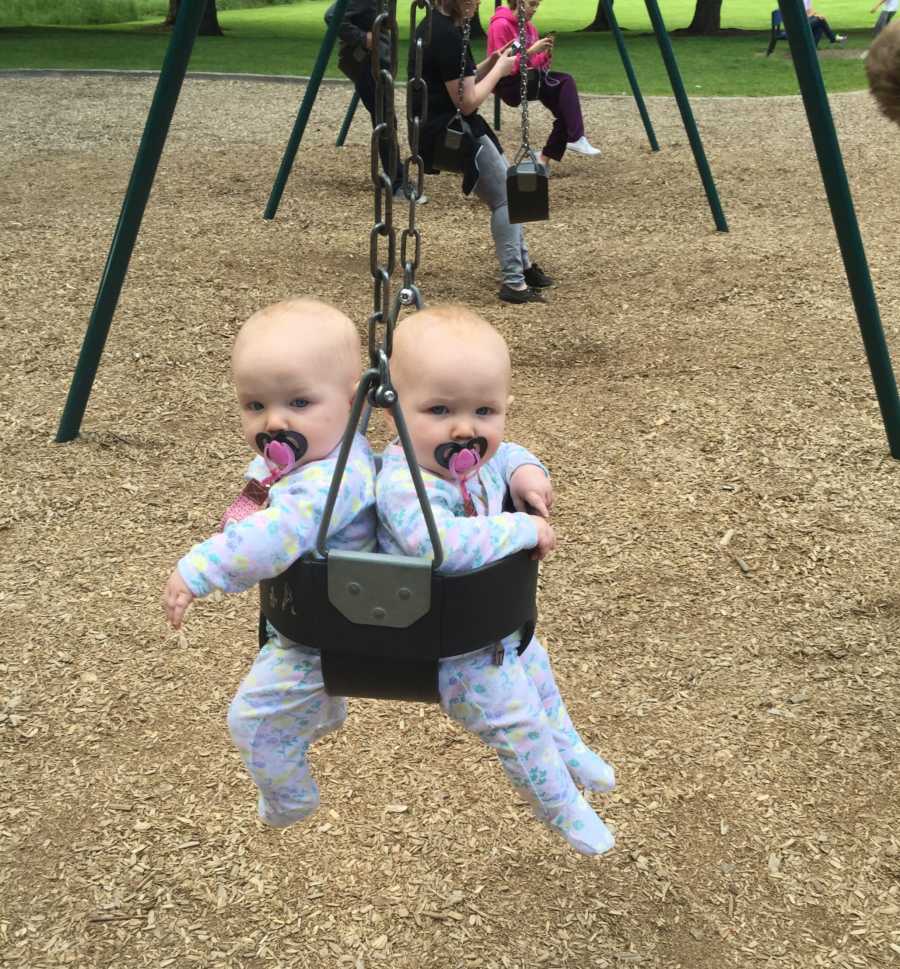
(546, 541)
(176, 598)
(530, 486)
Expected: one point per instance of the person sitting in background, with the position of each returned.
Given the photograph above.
(355, 60)
(555, 90)
(819, 26)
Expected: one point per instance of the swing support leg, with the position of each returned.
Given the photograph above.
(632, 78)
(687, 116)
(348, 120)
(306, 106)
(837, 189)
(146, 161)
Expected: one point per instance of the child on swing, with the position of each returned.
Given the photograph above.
(451, 371)
(295, 365)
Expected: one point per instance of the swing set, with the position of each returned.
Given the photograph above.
(383, 622)
(530, 177)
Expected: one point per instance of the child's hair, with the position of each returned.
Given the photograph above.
(459, 320)
(303, 315)
(883, 68)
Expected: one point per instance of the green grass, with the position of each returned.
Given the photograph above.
(285, 40)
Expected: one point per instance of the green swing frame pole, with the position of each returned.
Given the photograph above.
(632, 77)
(146, 161)
(348, 120)
(837, 189)
(306, 106)
(687, 115)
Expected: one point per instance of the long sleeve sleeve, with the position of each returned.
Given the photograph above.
(510, 457)
(264, 544)
(348, 31)
(500, 32)
(468, 543)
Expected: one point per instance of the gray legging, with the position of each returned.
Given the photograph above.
(509, 240)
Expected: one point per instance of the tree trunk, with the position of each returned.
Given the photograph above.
(599, 22)
(475, 28)
(209, 23)
(707, 17)
(170, 16)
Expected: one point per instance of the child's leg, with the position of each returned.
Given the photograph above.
(501, 706)
(587, 768)
(280, 708)
(559, 95)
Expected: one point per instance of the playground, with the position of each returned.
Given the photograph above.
(722, 612)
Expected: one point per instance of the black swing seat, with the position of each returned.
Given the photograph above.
(528, 190)
(382, 622)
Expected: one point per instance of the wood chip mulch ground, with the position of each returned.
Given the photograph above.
(723, 611)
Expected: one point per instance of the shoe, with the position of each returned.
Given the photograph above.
(536, 278)
(402, 195)
(527, 295)
(583, 147)
(840, 38)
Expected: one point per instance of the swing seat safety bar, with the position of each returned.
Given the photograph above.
(407, 625)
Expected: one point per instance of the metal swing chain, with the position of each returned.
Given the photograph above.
(523, 78)
(467, 29)
(383, 132)
(415, 86)
(375, 384)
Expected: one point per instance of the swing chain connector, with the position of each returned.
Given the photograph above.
(382, 393)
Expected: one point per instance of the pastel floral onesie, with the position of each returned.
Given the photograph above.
(281, 706)
(514, 707)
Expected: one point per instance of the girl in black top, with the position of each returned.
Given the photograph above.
(485, 170)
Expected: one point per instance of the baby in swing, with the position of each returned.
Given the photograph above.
(295, 365)
(451, 370)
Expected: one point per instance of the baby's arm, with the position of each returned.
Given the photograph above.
(255, 548)
(468, 543)
(528, 479)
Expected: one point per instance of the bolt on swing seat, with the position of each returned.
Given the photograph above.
(383, 622)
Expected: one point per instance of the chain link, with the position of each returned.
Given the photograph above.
(414, 167)
(383, 133)
(523, 75)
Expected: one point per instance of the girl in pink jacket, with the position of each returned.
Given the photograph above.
(556, 91)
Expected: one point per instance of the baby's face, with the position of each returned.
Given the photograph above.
(451, 391)
(292, 385)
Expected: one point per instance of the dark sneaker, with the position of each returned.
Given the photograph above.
(527, 295)
(536, 277)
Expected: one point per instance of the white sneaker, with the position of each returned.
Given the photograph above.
(583, 147)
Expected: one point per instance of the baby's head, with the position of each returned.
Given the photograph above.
(883, 68)
(451, 370)
(295, 365)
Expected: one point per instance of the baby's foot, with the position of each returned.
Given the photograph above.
(579, 825)
(589, 770)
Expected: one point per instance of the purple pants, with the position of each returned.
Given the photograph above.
(559, 96)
